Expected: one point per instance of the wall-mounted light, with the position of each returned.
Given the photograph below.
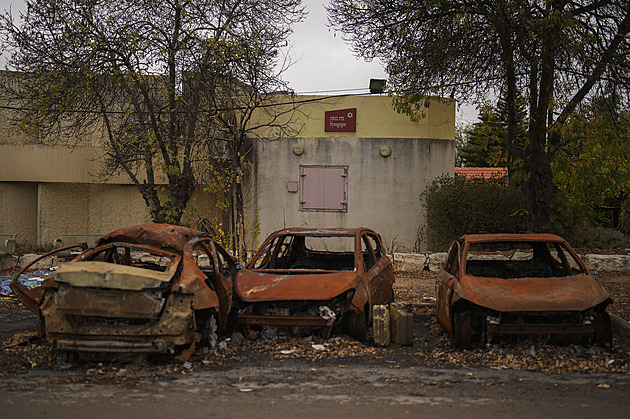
(298, 149)
(377, 86)
(385, 151)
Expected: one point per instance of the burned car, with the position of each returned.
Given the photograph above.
(315, 278)
(519, 284)
(153, 288)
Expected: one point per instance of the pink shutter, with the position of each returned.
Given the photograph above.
(323, 188)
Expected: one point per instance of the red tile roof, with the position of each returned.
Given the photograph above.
(484, 172)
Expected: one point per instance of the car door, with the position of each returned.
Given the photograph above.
(31, 297)
(220, 276)
(378, 268)
(446, 278)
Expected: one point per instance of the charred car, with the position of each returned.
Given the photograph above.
(519, 284)
(153, 288)
(305, 278)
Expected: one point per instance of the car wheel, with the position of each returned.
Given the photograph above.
(603, 329)
(357, 324)
(462, 329)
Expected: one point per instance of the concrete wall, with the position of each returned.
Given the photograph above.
(39, 163)
(47, 191)
(383, 192)
(18, 211)
(80, 208)
(39, 213)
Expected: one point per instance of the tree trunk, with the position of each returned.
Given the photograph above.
(152, 200)
(539, 190)
(241, 249)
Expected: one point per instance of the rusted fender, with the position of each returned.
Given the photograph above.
(573, 293)
(253, 286)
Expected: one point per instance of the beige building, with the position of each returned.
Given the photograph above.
(355, 162)
(48, 191)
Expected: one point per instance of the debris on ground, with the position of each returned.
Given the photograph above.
(431, 347)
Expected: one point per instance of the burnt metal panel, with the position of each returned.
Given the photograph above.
(465, 296)
(120, 305)
(301, 321)
(252, 285)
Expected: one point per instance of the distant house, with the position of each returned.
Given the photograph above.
(482, 172)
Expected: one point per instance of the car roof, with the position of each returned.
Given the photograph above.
(155, 234)
(504, 237)
(302, 231)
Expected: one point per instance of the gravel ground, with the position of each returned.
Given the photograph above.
(431, 347)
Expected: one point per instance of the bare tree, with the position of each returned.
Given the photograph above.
(163, 79)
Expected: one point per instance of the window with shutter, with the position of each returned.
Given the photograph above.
(324, 188)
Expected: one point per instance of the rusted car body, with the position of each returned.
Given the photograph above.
(519, 284)
(315, 278)
(145, 289)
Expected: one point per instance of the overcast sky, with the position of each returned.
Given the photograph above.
(324, 61)
(323, 64)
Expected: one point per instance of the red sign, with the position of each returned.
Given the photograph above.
(344, 120)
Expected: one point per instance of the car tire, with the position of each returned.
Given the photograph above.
(603, 329)
(462, 329)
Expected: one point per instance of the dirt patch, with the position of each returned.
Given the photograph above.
(618, 285)
(14, 319)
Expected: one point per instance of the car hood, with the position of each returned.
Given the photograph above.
(254, 286)
(109, 275)
(573, 293)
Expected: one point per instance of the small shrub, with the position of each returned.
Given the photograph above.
(600, 238)
(458, 205)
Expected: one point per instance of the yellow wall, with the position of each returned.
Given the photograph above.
(39, 213)
(376, 117)
(38, 163)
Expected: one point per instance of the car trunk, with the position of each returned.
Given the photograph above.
(104, 307)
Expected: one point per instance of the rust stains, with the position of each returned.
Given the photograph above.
(263, 286)
(139, 289)
(315, 277)
(519, 284)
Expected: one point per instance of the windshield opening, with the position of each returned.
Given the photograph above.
(521, 260)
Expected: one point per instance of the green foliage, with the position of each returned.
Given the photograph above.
(254, 230)
(595, 237)
(552, 53)
(486, 142)
(592, 169)
(457, 205)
